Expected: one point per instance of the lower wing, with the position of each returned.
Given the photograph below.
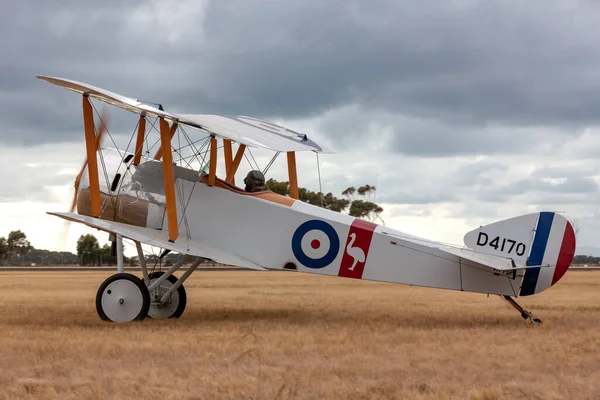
(155, 238)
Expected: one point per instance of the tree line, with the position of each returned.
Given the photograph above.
(589, 260)
(90, 253)
(17, 250)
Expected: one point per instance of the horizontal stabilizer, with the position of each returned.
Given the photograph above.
(496, 263)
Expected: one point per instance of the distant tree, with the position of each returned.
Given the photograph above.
(3, 249)
(46, 257)
(282, 188)
(88, 250)
(328, 201)
(105, 256)
(362, 203)
(365, 210)
(17, 244)
(583, 259)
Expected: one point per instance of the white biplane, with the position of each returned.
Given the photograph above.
(178, 203)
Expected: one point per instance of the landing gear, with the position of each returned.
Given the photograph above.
(524, 313)
(175, 302)
(122, 298)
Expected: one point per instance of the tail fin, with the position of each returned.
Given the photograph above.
(545, 238)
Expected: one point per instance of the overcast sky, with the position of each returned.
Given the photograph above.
(459, 112)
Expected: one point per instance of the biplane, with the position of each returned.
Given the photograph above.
(168, 193)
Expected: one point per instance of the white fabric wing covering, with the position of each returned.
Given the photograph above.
(244, 130)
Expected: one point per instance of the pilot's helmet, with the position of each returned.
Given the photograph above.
(254, 178)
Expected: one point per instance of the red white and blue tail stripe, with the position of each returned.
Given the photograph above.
(553, 245)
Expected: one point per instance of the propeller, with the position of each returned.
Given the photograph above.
(101, 130)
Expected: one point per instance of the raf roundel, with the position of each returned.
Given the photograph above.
(315, 244)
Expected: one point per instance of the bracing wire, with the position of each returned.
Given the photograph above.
(253, 159)
(319, 173)
(271, 163)
(106, 128)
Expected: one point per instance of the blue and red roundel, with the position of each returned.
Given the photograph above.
(315, 244)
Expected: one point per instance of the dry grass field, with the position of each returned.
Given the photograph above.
(285, 335)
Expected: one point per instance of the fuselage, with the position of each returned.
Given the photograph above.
(277, 232)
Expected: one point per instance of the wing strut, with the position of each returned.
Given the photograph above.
(92, 160)
(291, 159)
(228, 156)
(139, 143)
(212, 173)
(159, 152)
(235, 164)
(169, 179)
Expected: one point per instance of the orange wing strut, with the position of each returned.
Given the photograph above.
(159, 152)
(139, 143)
(91, 148)
(235, 164)
(228, 155)
(212, 172)
(101, 131)
(169, 179)
(291, 159)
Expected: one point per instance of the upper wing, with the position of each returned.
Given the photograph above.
(109, 97)
(244, 130)
(154, 238)
(253, 132)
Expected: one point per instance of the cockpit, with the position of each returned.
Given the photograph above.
(135, 194)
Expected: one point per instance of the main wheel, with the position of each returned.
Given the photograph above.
(175, 304)
(122, 298)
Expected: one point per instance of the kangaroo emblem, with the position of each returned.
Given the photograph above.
(355, 252)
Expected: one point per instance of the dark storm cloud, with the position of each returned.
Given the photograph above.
(466, 64)
(487, 181)
(31, 183)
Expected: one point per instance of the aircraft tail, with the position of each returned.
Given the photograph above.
(546, 239)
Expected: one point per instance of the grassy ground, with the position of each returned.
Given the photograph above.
(268, 335)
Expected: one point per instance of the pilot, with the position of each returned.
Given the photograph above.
(255, 181)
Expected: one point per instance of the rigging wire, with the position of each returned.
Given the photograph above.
(320, 187)
(107, 179)
(191, 143)
(147, 141)
(271, 162)
(253, 159)
(157, 140)
(247, 159)
(106, 129)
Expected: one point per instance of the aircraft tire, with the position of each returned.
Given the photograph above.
(178, 299)
(122, 298)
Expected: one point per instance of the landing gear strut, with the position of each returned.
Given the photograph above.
(524, 313)
(124, 297)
